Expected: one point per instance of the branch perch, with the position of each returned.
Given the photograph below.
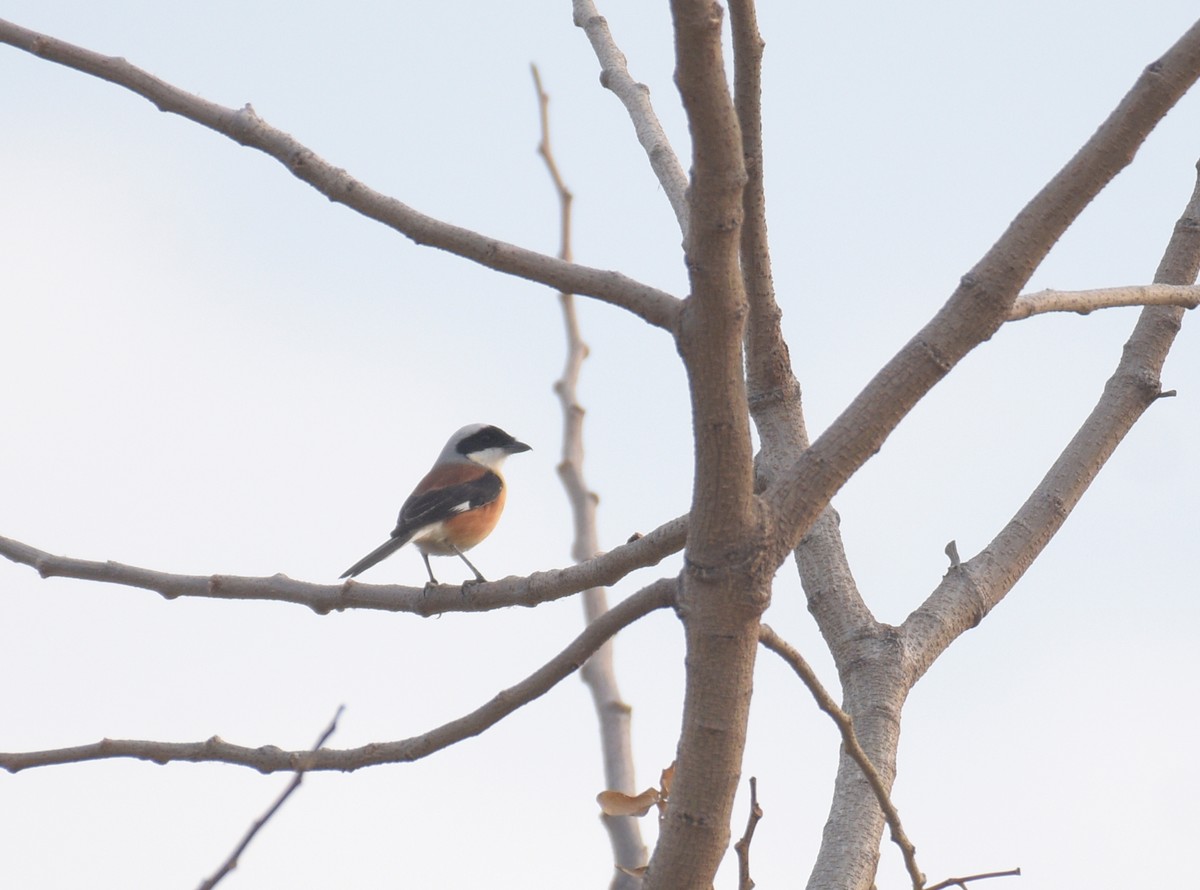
(540, 587)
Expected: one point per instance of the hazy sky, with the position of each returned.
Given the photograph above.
(209, 368)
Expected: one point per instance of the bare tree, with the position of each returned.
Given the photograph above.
(752, 511)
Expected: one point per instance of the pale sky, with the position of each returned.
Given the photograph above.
(210, 368)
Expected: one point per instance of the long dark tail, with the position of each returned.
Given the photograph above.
(383, 551)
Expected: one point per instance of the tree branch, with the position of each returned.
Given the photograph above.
(742, 847)
(1085, 301)
(775, 405)
(984, 299)
(247, 128)
(773, 391)
(725, 582)
(711, 330)
(616, 742)
(963, 881)
(232, 861)
(884, 664)
(540, 587)
(768, 365)
(269, 759)
(850, 745)
(972, 589)
(614, 75)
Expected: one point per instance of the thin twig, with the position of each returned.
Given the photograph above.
(1085, 301)
(845, 726)
(269, 759)
(613, 713)
(540, 587)
(962, 882)
(232, 862)
(245, 127)
(560, 186)
(742, 847)
(614, 75)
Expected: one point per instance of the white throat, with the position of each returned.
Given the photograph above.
(492, 458)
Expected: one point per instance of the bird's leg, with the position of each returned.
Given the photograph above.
(479, 579)
(433, 582)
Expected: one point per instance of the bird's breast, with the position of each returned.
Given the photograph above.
(463, 531)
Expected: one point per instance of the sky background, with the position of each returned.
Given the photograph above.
(209, 368)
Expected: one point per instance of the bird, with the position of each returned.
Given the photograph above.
(457, 504)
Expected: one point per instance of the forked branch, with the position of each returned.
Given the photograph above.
(971, 589)
(984, 299)
(845, 726)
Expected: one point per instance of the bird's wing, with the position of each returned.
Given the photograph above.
(447, 499)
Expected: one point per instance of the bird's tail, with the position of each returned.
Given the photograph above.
(381, 552)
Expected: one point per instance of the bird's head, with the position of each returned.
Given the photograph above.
(483, 444)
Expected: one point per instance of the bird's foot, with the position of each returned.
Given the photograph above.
(471, 582)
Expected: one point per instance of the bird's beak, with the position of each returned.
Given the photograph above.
(516, 447)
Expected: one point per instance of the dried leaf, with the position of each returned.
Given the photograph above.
(614, 803)
(664, 780)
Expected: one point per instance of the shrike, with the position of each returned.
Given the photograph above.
(457, 504)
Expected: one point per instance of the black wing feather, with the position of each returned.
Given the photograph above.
(423, 510)
(439, 505)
